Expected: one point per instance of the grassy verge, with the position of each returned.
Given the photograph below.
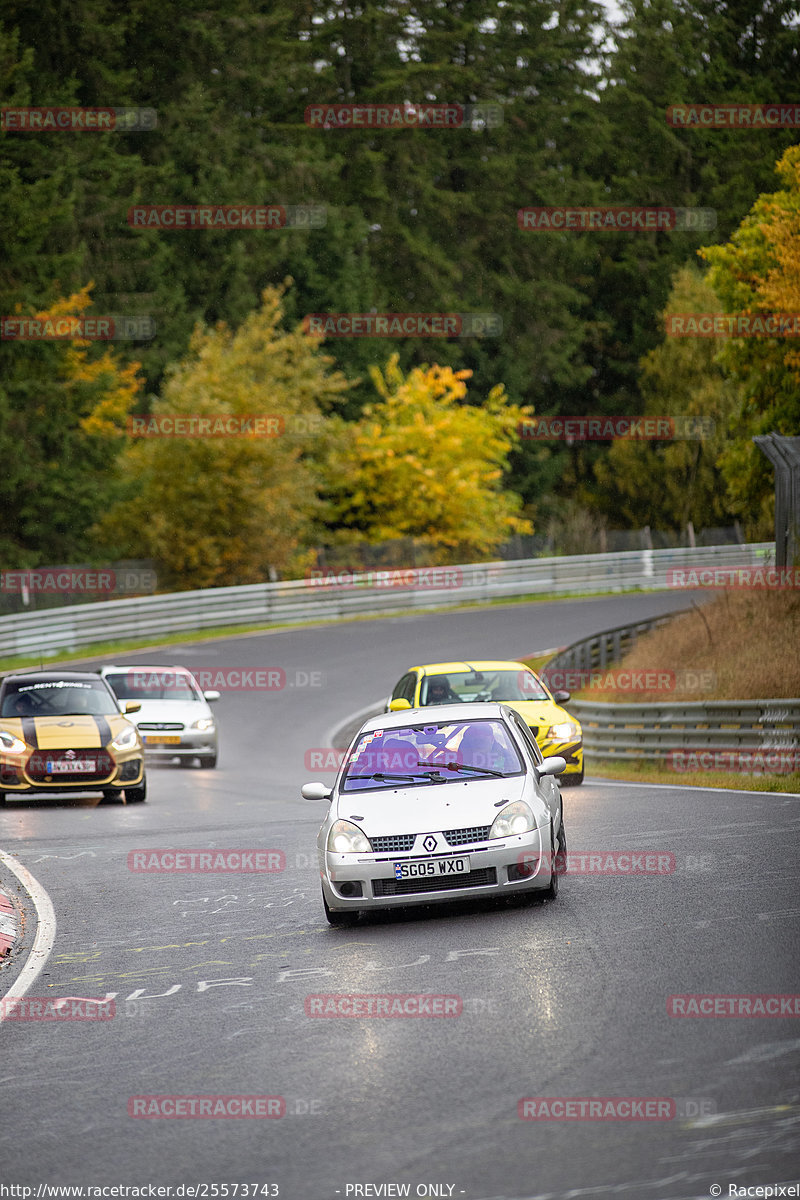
(107, 649)
(641, 771)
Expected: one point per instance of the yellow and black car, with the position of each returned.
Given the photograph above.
(512, 683)
(62, 731)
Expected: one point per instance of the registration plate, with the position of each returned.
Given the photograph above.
(66, 766)
(157, 740)
(431, 867)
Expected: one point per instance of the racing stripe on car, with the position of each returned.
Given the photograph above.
(104, 729)
(29, 731)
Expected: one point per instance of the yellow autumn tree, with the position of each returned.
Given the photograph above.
(422, 462)
(758, 271)
(233, 503)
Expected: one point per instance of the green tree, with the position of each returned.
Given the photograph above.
(758, 270)
(666, 484)
(224, 510)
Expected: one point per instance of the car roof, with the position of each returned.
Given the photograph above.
(47, 676)
(474, 664)
(155, 667)
(434, 714)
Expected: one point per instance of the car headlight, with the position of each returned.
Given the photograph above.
(347, 838)
(564, 730)
(514, 818)
(10, 743)
(204, 723)
(125, 740)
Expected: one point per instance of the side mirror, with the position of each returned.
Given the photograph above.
(552, 766)
(132, 706)
(320, 791)
(398, 705)
(561, 697)
(212, 696)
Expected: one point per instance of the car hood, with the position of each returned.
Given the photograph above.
(540, 712)
(66, 733)
(170, 711)
(423, 809)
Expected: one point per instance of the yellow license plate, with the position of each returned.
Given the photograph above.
(157, 740)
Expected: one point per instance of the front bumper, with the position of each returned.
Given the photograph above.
(191, 743)
(21, 774)
(493, 865)
(571, 752)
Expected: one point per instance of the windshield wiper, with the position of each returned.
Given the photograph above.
(456, 766)
(429, 775)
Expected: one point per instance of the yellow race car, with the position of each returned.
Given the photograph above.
(514, 684)
(62, 731)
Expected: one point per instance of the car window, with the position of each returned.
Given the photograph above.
(136, 684)
(405, 688)
(454, 687)
(440, 753)
(57, 698)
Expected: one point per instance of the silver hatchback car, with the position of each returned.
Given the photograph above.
(175, 720)
(439, 806)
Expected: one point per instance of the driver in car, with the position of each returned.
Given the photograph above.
(480, 748)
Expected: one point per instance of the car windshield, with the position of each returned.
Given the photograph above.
(57, 698)
(458, 687)
(139, 683)
(430, 754)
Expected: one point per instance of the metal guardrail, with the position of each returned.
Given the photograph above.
(374, 593)
(602, 649)
(656, 731)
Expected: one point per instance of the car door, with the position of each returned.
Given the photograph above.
(548, 784)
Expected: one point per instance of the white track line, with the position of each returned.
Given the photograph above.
(45, 931)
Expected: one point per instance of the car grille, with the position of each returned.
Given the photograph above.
(462, 837)
(405, 887)
(37, 766)
(162, 726)
(393, 844)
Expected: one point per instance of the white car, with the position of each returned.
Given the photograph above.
(175, 720)
(439, 806)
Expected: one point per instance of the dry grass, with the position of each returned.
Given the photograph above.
(748, 641)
